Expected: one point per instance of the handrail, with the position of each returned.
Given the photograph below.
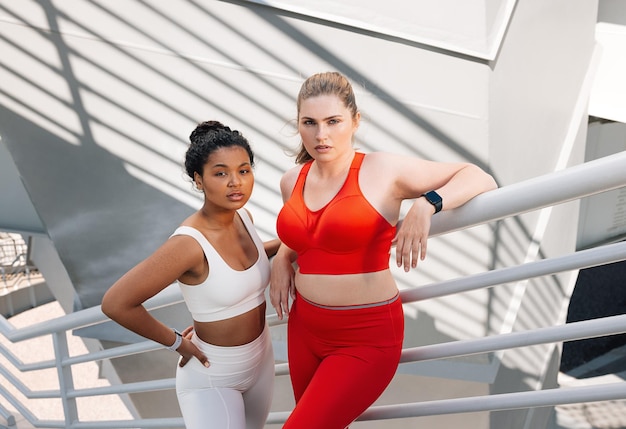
(550, 189)
(604, 326)
(79, 319)
(609, 173)
(578, 260)
(503, 401)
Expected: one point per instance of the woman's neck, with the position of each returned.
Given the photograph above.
(335, 167)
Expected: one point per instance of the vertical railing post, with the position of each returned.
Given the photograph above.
(7, 416)
(66, 381)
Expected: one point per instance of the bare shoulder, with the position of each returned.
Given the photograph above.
(378, 175)
(395, 176)
(288, 181)
(181, 248)
(184, 245)
(390, 162)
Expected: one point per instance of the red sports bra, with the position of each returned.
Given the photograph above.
(347, 236)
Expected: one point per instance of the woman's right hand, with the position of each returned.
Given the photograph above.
(282, 283)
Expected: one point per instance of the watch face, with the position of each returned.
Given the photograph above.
(435, 199)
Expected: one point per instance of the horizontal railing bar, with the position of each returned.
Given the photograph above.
(171, 422)
(277, 417)
(547, 190)
(152, 385)
(80, 319)
(495, 402)
(17, 363)
(281, 368)
(578, 260)
(119, 351)
(162, 384)
(552, 397)
(25, 412)
(273, 320)
(141, 347)
(139, 423)
(139, 386)
(571, 331)
(24, 390)
(502, 401)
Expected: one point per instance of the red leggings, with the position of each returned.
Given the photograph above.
(341, 359)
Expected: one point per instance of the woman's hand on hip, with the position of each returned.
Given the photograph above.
(188, 349)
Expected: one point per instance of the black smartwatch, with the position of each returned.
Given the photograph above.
(435, 199)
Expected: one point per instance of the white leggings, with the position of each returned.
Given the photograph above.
(234, 392)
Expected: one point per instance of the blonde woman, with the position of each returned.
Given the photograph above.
(338, 222)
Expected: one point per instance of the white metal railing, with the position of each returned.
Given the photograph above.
(576, 182)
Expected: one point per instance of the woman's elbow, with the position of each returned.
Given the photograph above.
(109, 306)
(490, 183)
(486, 180)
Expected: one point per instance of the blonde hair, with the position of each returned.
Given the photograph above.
(326, 83)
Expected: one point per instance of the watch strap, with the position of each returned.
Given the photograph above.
(177, 342)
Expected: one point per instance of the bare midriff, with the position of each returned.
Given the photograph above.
(236, 331)
(346, 289)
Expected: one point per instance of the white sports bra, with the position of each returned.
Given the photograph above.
(226, 292)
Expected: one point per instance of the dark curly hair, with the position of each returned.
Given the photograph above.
(208, 137)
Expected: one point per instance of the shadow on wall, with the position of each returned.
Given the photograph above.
(101, 219)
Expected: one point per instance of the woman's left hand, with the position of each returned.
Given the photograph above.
(412, 236)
